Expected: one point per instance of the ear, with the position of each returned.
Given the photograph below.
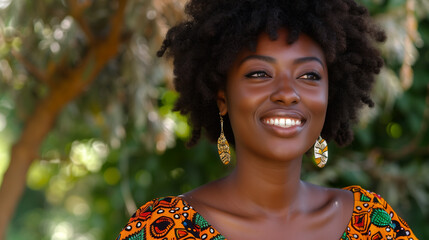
(222, 102)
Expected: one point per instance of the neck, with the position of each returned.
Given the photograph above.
(267, 184)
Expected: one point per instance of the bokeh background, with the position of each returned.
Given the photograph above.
(87, 131)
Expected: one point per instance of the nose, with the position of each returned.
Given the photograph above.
(284, 92)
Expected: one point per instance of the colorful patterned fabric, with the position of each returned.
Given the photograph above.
(168, 218)
(374, 219)
(172, 218)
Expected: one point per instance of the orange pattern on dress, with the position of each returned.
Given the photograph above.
(168, 218)
(171, 218)
(373, 218)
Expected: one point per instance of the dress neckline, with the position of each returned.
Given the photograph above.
(350, 188)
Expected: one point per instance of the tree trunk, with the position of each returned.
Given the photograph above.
(24, 151)
(40, 123)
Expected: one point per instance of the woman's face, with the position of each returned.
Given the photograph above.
(276, 97)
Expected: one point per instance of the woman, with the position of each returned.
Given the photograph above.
(273, 77)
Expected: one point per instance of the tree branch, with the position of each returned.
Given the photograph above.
(103, 50)
(117, 22)
(77, 8)
(82, 75)
(33, 70)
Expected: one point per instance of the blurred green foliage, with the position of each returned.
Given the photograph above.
(120, 145)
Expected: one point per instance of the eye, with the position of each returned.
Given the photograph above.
(258, 74)
(310, 76)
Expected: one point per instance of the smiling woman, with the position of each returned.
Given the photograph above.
(276, 84)
(282, 75)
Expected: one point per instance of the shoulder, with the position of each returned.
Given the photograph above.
(166, 217)
(362, 194)
(158, 211)
(374, 218)
(322, 196)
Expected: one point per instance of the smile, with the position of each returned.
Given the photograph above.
(282, 122)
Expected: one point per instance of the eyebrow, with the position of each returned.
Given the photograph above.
(309, 59)
(259, 57)
(273, 60)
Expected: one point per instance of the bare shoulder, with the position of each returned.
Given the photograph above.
(340, 199)
(332, 207)
(205, 197)
(336, 193)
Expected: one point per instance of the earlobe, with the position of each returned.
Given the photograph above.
(221, 102)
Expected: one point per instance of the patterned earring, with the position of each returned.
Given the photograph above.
(320, 152)
(223, 146)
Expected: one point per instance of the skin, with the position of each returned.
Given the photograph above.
(264, 198)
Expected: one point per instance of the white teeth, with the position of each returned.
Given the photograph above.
(283, 122)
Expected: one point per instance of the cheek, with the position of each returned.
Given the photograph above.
(319, 104)
(316, 102)
(242, 98)
(243, 102)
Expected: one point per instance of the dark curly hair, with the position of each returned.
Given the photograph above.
(204, 47)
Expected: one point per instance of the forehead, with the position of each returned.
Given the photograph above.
(304, 46)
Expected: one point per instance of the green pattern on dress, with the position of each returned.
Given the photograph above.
(380, 218)
(200, 221)
(364, 198)
(344, 237)
(218, 237)
(138, 236)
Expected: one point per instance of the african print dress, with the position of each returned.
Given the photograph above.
(173, 218)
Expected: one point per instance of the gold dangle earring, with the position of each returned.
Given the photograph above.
(223, 146)
(320, 152)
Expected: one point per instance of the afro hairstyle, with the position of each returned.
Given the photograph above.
(204, 46)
